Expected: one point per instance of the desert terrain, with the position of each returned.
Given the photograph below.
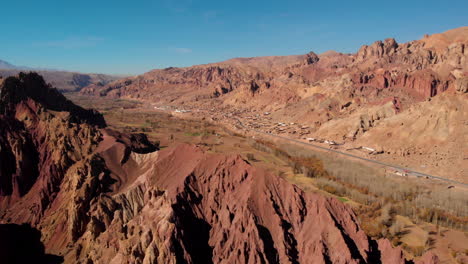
(404, 104)
(314, 158)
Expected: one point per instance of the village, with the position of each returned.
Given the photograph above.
(263, 123)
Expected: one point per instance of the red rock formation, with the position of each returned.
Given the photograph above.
(415, 70)
(422, 84)
(377, 50)
(428, 258)
(99, 196)
(37, 145)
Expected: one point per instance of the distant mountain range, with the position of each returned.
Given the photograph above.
(62, 80)
(7, 65)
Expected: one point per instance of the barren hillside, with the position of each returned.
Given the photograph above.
(356, 99)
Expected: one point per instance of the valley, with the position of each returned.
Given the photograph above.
(399, 103)
(311, 158)
(423, 214)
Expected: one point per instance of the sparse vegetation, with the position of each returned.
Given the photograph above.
(192, 134)
(250, 157)
(344, 200)
(372, 188)
(378, 199)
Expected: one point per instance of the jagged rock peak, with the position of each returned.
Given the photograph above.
(32, 86)
(311, 58)
(378, 49)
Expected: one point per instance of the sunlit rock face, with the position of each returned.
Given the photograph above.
(99, 196)
(418, 69)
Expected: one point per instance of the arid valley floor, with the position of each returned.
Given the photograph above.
(314, 158)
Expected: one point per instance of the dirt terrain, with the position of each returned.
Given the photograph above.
(403, 103)
(415, 231)
(92, 194)
(184, 165)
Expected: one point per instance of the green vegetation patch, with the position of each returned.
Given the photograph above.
(344, 200)
(193, 134)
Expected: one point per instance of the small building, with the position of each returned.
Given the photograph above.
(401, 173)
(369, 149)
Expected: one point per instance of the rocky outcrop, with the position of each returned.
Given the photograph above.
(99, 196)
(428, 258)
(417, 70)
(209, 81)
(311, 58)
(42, 136)
(462, 85)
(47, 142)
(17, 91)
(421, 84)
(360, 122)
(186, 215)
(377, 50)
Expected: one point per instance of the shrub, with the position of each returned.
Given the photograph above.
(370, 185)
(251, 157)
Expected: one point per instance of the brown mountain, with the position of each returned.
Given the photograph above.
(94, 195)
(417, 70)
(350, 98)
(64, 81)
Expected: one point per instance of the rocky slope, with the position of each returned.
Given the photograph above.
(417, 69)
(340, 97)
(99, 196)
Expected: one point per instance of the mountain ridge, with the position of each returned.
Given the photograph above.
(98, 195)
(338, 97)
(65, 81)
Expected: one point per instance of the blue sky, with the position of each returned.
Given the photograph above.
(131, 37)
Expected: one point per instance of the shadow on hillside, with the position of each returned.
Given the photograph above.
(22, 244)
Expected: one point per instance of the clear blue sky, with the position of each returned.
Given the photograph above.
(130, 37)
